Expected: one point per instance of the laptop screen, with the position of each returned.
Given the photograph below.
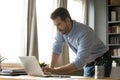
(31, 66)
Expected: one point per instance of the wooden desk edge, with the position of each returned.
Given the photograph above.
(36, 78)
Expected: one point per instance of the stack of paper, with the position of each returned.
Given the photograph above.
(13, 72)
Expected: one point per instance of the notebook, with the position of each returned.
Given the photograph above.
(12, 72)
(32, 67)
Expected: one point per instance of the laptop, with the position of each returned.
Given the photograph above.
(32, 67)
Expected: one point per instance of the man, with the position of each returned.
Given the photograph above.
(89, 49)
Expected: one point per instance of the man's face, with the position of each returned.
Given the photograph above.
(62, 26)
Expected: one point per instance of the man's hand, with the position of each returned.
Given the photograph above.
(66, 69)
(48, 70)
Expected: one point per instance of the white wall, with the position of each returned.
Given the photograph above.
(97, 17)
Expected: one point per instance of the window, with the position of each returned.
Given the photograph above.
(45, 29)
(13, 27)
(76, 9)
(13, 20)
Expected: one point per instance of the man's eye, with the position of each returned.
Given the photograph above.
(58, 25)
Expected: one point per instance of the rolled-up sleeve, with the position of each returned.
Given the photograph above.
(84, 49)
(58, 44)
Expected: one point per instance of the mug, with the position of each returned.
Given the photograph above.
(99, 72)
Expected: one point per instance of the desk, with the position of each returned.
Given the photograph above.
(26, 77)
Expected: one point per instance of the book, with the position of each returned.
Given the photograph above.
(118, 29)
(118, 51)
(113, 16)
(114, 2)
(13, 71)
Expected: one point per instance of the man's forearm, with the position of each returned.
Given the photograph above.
(66, 69)
(54, 60)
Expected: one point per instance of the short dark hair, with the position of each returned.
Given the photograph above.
(62, 13)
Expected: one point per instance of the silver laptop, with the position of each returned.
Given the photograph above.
(32, 67)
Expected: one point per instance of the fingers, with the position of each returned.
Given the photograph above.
(47, 70)
(47, 73)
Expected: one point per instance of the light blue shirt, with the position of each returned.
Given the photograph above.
(83, 41)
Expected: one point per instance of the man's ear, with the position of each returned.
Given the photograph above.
(68, 20)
